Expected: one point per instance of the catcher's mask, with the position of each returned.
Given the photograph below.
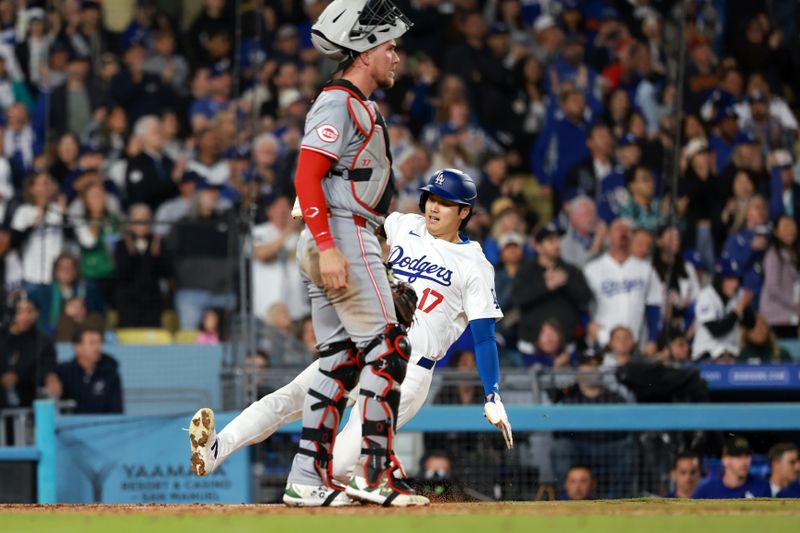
(348, 27)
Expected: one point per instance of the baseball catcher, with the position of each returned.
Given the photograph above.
(344, 186)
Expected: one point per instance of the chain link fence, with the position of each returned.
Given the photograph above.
(474, 465)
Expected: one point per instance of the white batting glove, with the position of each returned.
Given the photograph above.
(495, 413)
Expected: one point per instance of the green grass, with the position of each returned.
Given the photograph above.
(557, 517)
(396, 524)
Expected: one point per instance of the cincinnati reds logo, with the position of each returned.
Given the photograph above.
(328, 133)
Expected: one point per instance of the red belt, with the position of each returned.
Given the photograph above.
(360, 221)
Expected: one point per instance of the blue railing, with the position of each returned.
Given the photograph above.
(148, 455)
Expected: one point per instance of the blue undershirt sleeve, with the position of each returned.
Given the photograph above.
(653, 313)
(486, 357)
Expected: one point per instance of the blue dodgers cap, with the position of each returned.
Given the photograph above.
(203, 185)
(241, 151)
(189, 177)
(498, 28)
(395, 120)
(219, 68)
(60, 45)
(610, 13)
(627, 140)
(545, 232)
(448, 129)
(744, 137)
(692, 256)
(450, 184)
(727, 267)
(726, 112)
(569, 5)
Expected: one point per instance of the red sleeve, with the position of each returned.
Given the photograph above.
(312, 167)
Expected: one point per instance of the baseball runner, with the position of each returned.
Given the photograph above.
(454, 284)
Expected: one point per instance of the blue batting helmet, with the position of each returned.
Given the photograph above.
(727, 268)
(450, 184)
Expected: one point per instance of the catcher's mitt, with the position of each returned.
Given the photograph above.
(405, 299)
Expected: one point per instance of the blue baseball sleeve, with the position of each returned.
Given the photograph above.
(486, 357)
(653, 313)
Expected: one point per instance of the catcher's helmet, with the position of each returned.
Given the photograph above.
(348, 27)
(450, 184)
(727, 268)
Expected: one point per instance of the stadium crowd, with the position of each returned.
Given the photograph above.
(131, 158)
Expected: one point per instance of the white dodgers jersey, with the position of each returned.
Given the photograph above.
(621, 293)
(454, 283)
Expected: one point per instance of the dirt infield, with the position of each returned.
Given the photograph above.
(644, 507)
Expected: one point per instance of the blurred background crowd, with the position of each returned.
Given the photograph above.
(148, 148)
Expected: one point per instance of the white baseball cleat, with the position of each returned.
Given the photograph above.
(399, 494)
(203, 442)
(297, 495)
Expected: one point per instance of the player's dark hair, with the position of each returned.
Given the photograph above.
(686, 454)
(777, 451)
(620, 327)
(631, 173)
(565, 94)
(466, 220)
(598, 126)
(77, 337)
(491, 156)
(66, 256)
(581, 466)
(556, 325)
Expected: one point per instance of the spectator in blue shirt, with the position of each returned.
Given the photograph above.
(598, 176)
(749, 245)
(561, 144)
(685, 475)
(550, 347)
(736, 480)
(727, 94)
(792, 491)
(570, 66)
(784, 192)
(727, 136)
(91, 378)
(203, 110)
(783, 469)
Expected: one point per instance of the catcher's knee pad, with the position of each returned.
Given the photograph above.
(345, 372)
(394, 345)
(340, 363)
(390, 365)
